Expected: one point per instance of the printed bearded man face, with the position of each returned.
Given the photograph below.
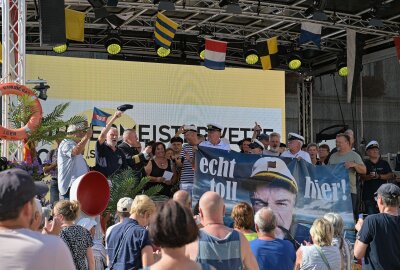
(275, 189)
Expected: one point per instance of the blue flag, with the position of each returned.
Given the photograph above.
(99, 117)
(310, 32)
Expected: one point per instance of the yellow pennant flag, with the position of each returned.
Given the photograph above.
(75, 25)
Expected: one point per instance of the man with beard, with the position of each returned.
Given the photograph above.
(274, 143)
(109, 158)
(274, 186)
(132, 150)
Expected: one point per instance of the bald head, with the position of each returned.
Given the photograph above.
(265, 220)
(182, 197)
(212, 205)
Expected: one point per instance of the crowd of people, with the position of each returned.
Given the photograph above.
(170, 235)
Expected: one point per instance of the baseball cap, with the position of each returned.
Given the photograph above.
(256, 144)
(275, 172)
(294, 136)
(263, 136)
(217, 127)
(16, 188)
(372, 144)
(124, 204)
(190, 127)
(87, 223)
(389, 190)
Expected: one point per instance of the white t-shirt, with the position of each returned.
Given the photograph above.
(220, 145)
(301, 154)
(24, 249)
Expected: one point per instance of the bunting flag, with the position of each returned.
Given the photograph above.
(355, 45)
(75, 25)
(268, 52)
(310, 32)
(397, 44)
(214, 57)
(99, 117)
(164, 31)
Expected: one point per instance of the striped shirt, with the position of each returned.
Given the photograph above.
(187, 176)
(223, 254)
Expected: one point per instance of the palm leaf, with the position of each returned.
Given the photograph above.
(125, 184)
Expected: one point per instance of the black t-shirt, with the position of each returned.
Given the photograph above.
(107, 160)
(381, 232)
(371, 186)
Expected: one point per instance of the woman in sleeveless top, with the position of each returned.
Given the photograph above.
(171, 229)
(321, 255)
(243, 220)
(338, 240)
(156, 168)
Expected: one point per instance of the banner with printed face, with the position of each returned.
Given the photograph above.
(164, 96)
(298, 192)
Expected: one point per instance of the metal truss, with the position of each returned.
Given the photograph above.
(305, 103)
(13, 55)
(258, 20)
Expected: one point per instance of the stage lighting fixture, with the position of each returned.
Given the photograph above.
(232, 6)
(202, 50)
(113, 43)
(167, 5)
(294, 62)
(341, 67)
(60, 48)
(250, 52)
(42, 89)
(251, 56)
(162, 52)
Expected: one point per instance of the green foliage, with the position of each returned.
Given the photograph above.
(52, 126)
(125, 184)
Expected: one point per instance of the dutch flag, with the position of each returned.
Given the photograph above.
(215, 53)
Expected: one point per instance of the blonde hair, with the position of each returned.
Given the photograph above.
(337, 222)
(142, 204)
(322, 232)
(68, 209)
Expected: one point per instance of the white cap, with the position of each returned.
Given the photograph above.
(87, 223)
(189, 128)
(256, 143)
(213, 126)
(372, 144)
(124, 204)
(275, 171)
(295, 136)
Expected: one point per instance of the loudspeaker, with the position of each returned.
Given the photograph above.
(52, 22)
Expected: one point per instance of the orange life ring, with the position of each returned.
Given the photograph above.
(34, 121)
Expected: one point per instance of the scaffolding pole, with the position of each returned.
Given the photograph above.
(13, 53)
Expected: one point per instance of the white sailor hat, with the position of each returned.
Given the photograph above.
(294, 136)
(275, 172)
(256, 143)
(190, 127)
(216, 127)
(372, 144)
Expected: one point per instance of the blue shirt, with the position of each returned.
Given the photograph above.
(274, 254)
(130, 254)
